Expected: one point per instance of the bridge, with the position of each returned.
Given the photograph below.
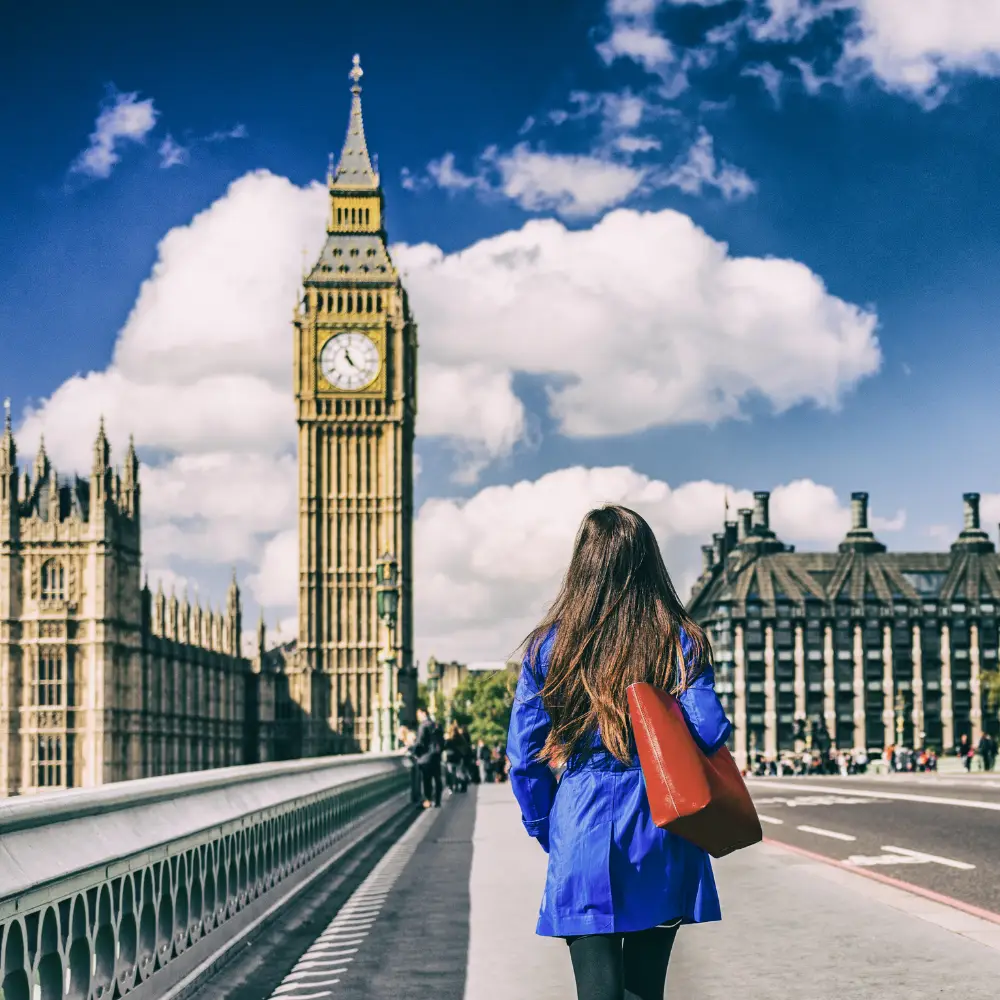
(323, 878)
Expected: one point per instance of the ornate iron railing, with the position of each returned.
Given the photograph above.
(141, 888)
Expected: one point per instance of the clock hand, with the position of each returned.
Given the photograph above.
(347, 354)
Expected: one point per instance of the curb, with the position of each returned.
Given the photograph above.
(915, 890)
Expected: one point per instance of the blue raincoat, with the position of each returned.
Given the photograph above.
(611, 869)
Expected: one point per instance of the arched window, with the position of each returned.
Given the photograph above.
(53, 581)
(378, 303)
(340, 303)
(350, 302)
(329, 301)
(353, 220)
(369, 309)
(366, 216)
(340, 212)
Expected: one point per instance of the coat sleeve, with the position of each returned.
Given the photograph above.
(533, 782)
(703, 711)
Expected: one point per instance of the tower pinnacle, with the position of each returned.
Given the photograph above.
(354, 169)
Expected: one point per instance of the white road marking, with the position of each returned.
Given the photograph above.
(769, 819)
(329, 953)
(948, 862)
(812, 800)
(904, 856)
(933, 800)
(826, 833)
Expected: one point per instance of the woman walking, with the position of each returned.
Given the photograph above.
(617, 886)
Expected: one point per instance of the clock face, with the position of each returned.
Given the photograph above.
(349, 361)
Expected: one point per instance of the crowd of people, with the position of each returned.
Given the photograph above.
(447, 760)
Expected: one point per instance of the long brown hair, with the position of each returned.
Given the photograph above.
(618, 621)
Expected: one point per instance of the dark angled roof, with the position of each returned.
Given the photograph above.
(353, 257)
(861, 572)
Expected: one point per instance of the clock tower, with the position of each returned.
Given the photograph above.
(355, 389)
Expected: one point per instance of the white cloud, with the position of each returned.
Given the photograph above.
(123, 118)
(172, 154)
(642, 320)
(914, 47)
(698, 169)
(487, 567)
(910, 47)
(201, 370)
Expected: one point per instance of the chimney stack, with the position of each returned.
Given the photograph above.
(717, 540)
(859, 511)
(732, 534)
(761, 516)
(971, 502)
(707, 559)
(745, 526)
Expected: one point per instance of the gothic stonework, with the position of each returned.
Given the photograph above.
(92, 688)
(355, 350)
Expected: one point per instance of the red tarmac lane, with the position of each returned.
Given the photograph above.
(940, 834)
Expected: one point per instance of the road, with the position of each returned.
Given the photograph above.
(936, 832)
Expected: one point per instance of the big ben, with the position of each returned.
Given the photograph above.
(355, 386)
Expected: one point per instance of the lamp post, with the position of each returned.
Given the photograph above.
(387, 602)
(900, 709)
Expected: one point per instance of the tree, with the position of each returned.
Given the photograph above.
(483, 702)
(989, 683)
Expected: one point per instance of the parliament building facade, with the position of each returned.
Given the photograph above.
(861, 647)
(100, 678)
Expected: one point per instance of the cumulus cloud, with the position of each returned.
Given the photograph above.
(123, 119)
(486, 567)
(641, 321)
(624, 340)
(914, 48)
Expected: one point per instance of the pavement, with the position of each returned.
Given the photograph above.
(448, 913)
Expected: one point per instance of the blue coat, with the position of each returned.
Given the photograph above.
(610, 868)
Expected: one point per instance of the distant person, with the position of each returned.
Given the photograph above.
(617, 886)
(987, 751)
(483, 760)
(427, 750)
(965, 751)
(455, 749)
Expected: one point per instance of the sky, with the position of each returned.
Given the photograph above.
(660, 253)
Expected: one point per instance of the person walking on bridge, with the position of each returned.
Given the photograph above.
(427, 750)
(617, 886)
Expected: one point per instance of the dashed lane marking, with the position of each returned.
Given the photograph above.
(332, 952)
(770, 819)
(826, 833)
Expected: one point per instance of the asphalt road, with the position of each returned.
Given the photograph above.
(939, 833)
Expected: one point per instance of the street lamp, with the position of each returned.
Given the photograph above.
(387, 605)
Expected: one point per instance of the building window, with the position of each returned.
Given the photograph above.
(369, 309)
(53, 581)
(50, 681)
(378, 303)
(48, 760)
(367, 210)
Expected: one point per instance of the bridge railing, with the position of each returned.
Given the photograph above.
(141, 887)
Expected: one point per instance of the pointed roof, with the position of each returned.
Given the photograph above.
(354, 169)
(8, 449)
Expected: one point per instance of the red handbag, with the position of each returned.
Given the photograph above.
(702, 799)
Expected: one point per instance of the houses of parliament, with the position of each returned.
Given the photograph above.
(104, 679)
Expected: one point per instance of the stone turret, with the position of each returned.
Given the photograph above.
(972, 538)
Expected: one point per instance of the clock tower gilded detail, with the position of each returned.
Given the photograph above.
(355, 389)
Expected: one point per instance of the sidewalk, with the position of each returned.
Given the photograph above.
(791, 927)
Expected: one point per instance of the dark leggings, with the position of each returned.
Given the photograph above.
(605, 965)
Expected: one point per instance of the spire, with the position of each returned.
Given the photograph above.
(8, 450)
(41, 461)
(102, 450)
(131, 464)
(354, 169)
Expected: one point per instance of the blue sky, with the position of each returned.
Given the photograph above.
(847, 136)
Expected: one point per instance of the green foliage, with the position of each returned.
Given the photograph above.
(483, 702)
(423, 696)
(989, 682)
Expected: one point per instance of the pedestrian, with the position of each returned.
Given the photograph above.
(483, 760)
(455, 748)
(427, 750)
(617, 886)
